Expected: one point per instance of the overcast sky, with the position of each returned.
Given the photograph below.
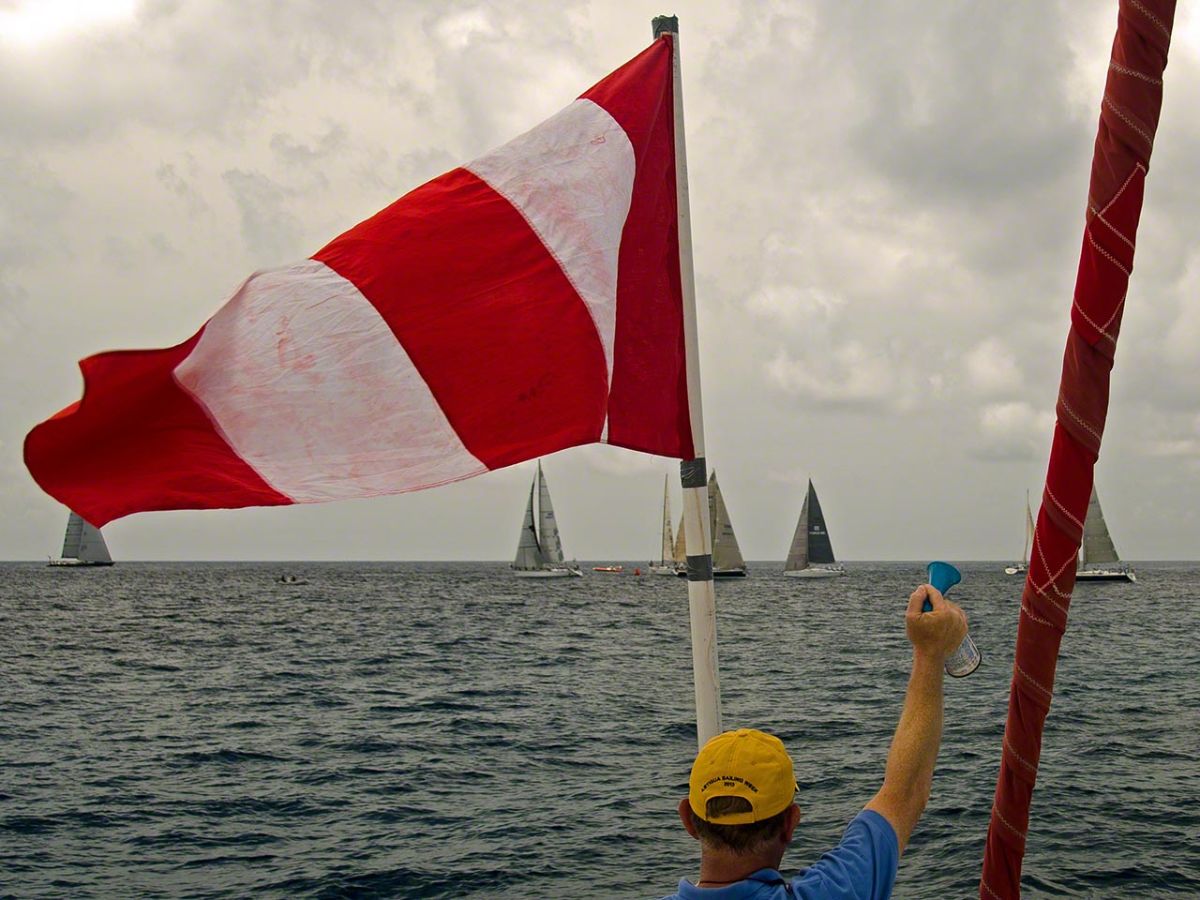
(887, 217)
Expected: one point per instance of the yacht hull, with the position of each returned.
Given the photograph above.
(815, 572)
(548, 573)
(1127, 575)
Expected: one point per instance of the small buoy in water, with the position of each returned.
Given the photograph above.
(637, 571)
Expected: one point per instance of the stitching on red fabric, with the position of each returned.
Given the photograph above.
(1013, 828)
(1112, 259)
(1034, 682)
(1064, 511)
(987, 887)
(1133, 73)
(1124, 184)
(1025, 609)
(1053, 579)
(1153, 18)
(1128, 120)
(1116, 310)
(1113, 228)
(1079, 419)
(1104, 334)
(1018, 757)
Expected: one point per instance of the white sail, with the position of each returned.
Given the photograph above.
(1097, 544)
(668, 540)
(552, 550)
(797, 557)
(680, 554)
(529, 552)
(83, 545)
(726, 555)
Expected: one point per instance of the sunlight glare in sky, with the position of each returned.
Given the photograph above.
(34, 22)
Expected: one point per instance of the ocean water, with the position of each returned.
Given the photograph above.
(445, 730)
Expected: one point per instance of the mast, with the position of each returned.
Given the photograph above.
(702, 600)
(551, 543)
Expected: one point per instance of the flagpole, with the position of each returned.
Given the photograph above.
(702, 600)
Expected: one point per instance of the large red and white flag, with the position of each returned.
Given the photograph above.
(526, 302)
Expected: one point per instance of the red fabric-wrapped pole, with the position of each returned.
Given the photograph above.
(1128, 121)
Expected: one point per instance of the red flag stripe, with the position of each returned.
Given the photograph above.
(571, 178)
(648, 399)
(499, 335)
(137, 441)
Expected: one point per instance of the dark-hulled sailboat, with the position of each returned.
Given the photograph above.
(1098, 559)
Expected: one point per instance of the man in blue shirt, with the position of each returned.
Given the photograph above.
(741, 794)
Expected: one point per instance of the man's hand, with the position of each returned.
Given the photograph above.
(909, 775)
(937, 633)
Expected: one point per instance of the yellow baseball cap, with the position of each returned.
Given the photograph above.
(745, 763)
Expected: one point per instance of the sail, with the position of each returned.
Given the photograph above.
(529, 552)
(680, 554)
(1097, 544)
(810, 543)
(820, 548)
(797, 557)
(726, 554)
(73, 538)
(552, 550)
(84, 542)
(668, 542)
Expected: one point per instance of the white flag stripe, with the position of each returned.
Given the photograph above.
(571, 177)
(308, 384)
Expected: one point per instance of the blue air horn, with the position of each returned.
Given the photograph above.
(965, 660)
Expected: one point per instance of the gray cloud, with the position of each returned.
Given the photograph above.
(887, 212)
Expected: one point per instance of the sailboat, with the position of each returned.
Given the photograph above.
(667, 564)
(726, 555)
(1098, 549)
(83, 545)
(1023, 565)
(811, 553)
(539, 551)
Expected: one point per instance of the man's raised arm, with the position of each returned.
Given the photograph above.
(909, 775)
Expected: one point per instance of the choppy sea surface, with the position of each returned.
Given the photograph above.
(446, 730)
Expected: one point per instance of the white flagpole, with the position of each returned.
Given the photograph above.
(702, 600)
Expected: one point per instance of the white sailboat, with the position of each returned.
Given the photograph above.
(83, 545)
(811, 553)
(1023, 565)
(667, 563)
(539, 551)
(1098, 551)
(726, 554)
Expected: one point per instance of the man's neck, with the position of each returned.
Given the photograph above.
(720, 869)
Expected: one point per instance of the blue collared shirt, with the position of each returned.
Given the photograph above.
(862, 867)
